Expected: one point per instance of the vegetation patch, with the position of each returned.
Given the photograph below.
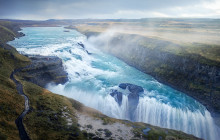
(48, 109)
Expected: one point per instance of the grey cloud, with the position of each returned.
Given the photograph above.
(82, 8)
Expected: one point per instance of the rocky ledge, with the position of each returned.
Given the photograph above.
(133, 96)
(44, 70)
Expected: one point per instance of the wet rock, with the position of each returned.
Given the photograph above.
(117, 96)
(123, 86)
(135, 89)
(133, 97)
(131, 87)
(81, 44)
(133, 100)
(88, 52)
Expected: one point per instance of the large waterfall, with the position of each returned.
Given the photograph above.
(93, 75)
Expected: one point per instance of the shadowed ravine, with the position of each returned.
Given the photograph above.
(19, 120)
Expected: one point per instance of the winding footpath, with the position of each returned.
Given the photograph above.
(19, 120)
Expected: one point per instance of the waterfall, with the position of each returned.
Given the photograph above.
(159, 114)
(149, 110)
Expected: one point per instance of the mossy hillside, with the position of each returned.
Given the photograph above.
(192, 76)
(8, 34)
(8, 31)
(46, 120)
(11, 103)
(12, 26)
(204, 53)
(156, 133)
(208, 51)
(11, 106)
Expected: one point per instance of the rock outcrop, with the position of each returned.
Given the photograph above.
(44, 70)
(117, 96)
(83, 47)
(133, 96)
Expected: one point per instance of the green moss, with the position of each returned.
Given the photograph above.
(156, 133)
(11, 103)
(2, 136)
(7, 30)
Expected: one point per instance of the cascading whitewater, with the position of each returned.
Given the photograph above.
(197, 123)
(149, 110)
(93, 74)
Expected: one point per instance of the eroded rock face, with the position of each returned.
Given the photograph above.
(117, 96)
(133, 96)
(44, 70)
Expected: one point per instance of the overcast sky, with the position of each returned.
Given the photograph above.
(78, 9)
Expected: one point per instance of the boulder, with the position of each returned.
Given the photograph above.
(133, 97)
(123, 85)
(117, 96)
(83, 46)
(131, 87)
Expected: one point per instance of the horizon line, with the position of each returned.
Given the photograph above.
(109, 18)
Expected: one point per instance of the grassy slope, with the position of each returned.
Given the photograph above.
(47, 108)
(11, 104)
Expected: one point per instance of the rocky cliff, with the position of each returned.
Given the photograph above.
(44, 70)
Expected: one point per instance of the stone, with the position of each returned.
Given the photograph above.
(81, 44)
(133, 96)
(44, 70)
(131, 87)
(117, 96)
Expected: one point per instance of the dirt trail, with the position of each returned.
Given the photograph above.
(19, 120)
